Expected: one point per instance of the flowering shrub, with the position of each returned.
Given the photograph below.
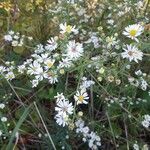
(74, 74)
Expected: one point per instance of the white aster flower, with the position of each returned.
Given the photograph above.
(111, 40)
(79, 123)
(8, 38)
(39, 48)
(64, 108)
(51, 76)
(85, 130)
(132, 53)
(133, 31)
(86, 83)
(51, 44)
(59, 96)
(2, 69)
(144, 84)
(74, 50)
(62, 120)
(95, 40)
(81, 97)
(10, 76)
(65, 63)
(40, 58)
(21, 68)
(67, 28)
(34, 68)
(39, 75)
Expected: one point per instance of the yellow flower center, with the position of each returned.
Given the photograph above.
(133, 32)
(49, 64)
(62, 71)
(81, 98)
(68, 29)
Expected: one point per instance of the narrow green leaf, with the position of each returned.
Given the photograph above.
(21, 120)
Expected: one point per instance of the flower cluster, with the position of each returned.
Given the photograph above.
(85, 84)
(7, 71)
(139, 80)
(132, 52)
(42, 64)
(95, 52)
(16, 39)
(64, 109)
(5, 130)
(91, 137)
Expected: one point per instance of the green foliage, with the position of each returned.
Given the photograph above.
(116, 106)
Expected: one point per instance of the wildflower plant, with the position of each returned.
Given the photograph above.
(74, 74)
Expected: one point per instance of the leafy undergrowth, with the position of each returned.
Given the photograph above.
(74, 74)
